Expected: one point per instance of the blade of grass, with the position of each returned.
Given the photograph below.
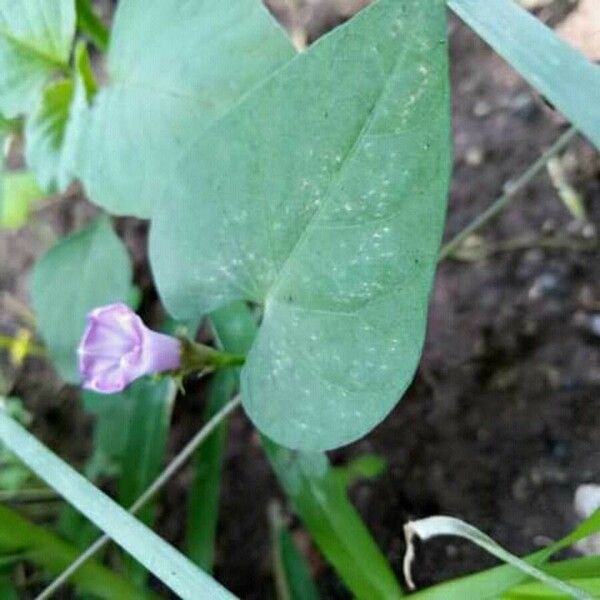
(292, 574)
(492, 583)
(234, 328)
(431, 527)
(52, 554)
(166, 563)
(497, 206)
(203, 499)
(558, 71)
(145, 451)
(158, 483)
(319, 497)
(321, 501)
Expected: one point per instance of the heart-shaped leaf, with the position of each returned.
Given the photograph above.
(35, 42)
(322, 197)
(174, 68)
(85, 270)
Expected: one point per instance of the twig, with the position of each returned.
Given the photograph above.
(511, 190)
(524, 243)
(159, 482)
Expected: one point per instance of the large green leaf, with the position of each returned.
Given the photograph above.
(321, 501)
(161, 559)
(322, 196)
(561, 73)
(85, 270)
(43, 548)
(35, 42)
(174, 68)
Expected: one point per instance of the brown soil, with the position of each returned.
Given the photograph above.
(503, 420)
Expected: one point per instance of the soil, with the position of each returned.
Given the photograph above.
(502, 422)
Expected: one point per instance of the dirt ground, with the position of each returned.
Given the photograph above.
(502, 422)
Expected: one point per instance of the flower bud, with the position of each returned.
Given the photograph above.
(117, 348)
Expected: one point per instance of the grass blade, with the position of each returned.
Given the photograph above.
(292, 574)
(492, 583)
(319, 497)
(203, 500)
(234, 327)
(145, 450)
(321, 501)
(166, 563)
(53, 555)
(558, 71)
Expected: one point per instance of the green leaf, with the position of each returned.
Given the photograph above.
(161, 559)
(54, 555)
(492, 583)
(54, 128)
(292, 573)
(432, 527)
(145, 449)
(322, 196)
(323, 505)
(18, 191)
(45, 130)
(91, 25)
(567, 79)
(194, 69)
(35, 42)
(582, 572)
(84, 270)
(235, 328)
(367, 466)
(7, 590)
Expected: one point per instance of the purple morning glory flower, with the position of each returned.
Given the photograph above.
(117, 348)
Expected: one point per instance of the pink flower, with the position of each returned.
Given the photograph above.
(117, 348)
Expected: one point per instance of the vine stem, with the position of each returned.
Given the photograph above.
(158, 483)
(510, 192)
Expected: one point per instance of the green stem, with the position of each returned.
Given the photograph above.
(511, 190)
(198, 357)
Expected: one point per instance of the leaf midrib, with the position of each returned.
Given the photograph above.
(344, 164)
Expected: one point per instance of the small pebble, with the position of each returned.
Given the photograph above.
(474, 156)
(482, 109)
